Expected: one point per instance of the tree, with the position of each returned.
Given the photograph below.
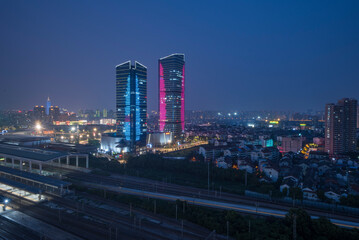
(94, 142)
(303, 222)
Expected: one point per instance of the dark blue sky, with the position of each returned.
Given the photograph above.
(240, 55)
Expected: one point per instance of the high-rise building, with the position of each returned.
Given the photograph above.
(131, 104)
(171, 94)
(54, 113)
(104, 113)
(340, 126)
(97, 113)
(358, 117)
(48, 105)
(39, 113)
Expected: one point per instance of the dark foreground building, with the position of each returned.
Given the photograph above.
(171, 94)
(340, 126)
(131, 105)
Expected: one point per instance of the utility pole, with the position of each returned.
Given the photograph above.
(245, 179)
(130, 209)
(155, 207)
(208, 170)
(227, 230)
(59, 215)
(182, 230)
(294, 227)
(176, 211)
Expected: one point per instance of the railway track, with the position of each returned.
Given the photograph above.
(195, 230)
(69, 215)
(174, 189)
(80, 227)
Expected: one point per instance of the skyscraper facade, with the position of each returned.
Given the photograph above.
(131, 104)
(171, 94)
(48, 105)
(340, 126)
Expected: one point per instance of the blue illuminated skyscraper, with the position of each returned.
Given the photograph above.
(131, 104)
(48, 105)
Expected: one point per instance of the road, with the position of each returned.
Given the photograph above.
(156, 188)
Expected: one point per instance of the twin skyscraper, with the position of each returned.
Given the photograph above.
(131, 100)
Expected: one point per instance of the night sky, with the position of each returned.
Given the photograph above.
(240, 55)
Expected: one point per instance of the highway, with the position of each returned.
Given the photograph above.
(160, 190)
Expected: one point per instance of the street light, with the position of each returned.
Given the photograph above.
(6, 201)
(38, 126)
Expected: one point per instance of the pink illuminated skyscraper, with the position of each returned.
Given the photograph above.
(171, 94)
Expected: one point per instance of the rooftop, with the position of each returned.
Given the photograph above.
(22, 186)
(30, 153)
(34, 177)
(21, 138)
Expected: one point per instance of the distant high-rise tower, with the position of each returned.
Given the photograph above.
(48, 105)
(340, 126)
(131, 103)
(171, 94)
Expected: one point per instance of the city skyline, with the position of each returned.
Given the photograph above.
(247, 58)
(179, 119)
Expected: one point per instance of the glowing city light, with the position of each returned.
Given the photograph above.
(38, 126)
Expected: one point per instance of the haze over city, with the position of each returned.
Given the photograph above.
(240, 55)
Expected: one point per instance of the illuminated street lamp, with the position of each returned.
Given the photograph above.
(38, 126)
(6, 201)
